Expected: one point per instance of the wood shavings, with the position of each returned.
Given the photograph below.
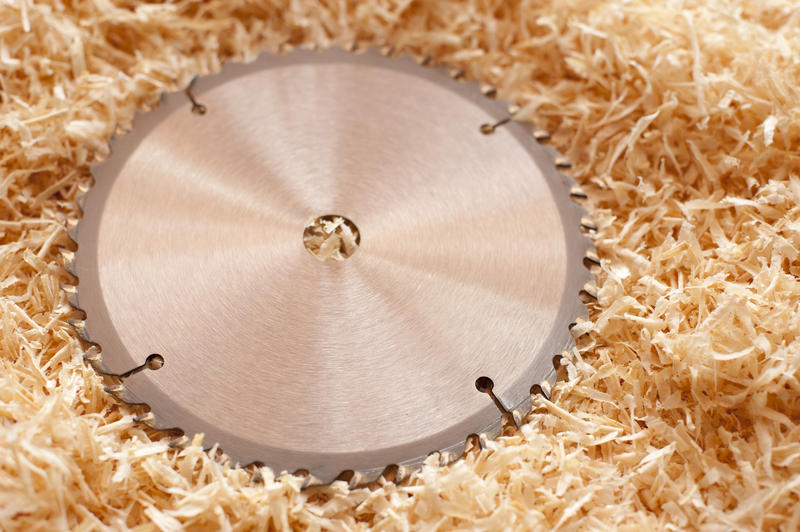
(681, 409)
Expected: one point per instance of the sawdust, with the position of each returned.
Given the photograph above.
(682, 409)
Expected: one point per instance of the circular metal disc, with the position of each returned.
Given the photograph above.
(191, 246)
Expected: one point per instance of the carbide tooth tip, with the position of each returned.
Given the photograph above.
(472, 444)
(591, 260)
(391, 473)
(347, 476)
(542, 389)
(148, 419)
(489, 91)
(563, 162)
(445, 458)
(577, 192)
(78, 324)
(588, 224)
(67, 255)
(179, 442)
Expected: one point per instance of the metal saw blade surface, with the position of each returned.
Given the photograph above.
(191, 246)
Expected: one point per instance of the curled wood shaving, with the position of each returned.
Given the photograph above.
(681, 409)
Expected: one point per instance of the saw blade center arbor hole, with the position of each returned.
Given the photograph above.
(331, 237)
(463, 258)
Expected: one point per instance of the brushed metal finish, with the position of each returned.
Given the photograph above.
(191, 246)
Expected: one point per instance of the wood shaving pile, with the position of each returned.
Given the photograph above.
(682, 409)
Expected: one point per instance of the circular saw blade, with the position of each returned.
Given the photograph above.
(469, 263)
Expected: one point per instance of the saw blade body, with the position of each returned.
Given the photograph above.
(468, 262)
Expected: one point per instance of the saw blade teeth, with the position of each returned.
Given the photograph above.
(541, 135)
(78, 324)
(67, 257)
(313, 482)
(77, 317)
(92, 353)
(72, 294)
(254, 468)
(588, 224)
(94, 360)
(508, 425)
(80, 200)
(301, 476)
(359, 479)
(181, 442)
(557, 361)
(363, 478)
(489, 91)
(560, 367)
(591, 260)
(542, 389)
(151, 420)
(589, 290)
(435, 458)
(580, 326)
(115, 389)
(304, 478)
(146, 418)
(80, 330)
(392, 473)
(72, 226)
(69, 243)
(302, 472)
(446, 458)
(458, 74)
(577, 193)
(472, 444)
(563, 163)
(424, 60)
(347, 476)
(517, 416)
(120, 130)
